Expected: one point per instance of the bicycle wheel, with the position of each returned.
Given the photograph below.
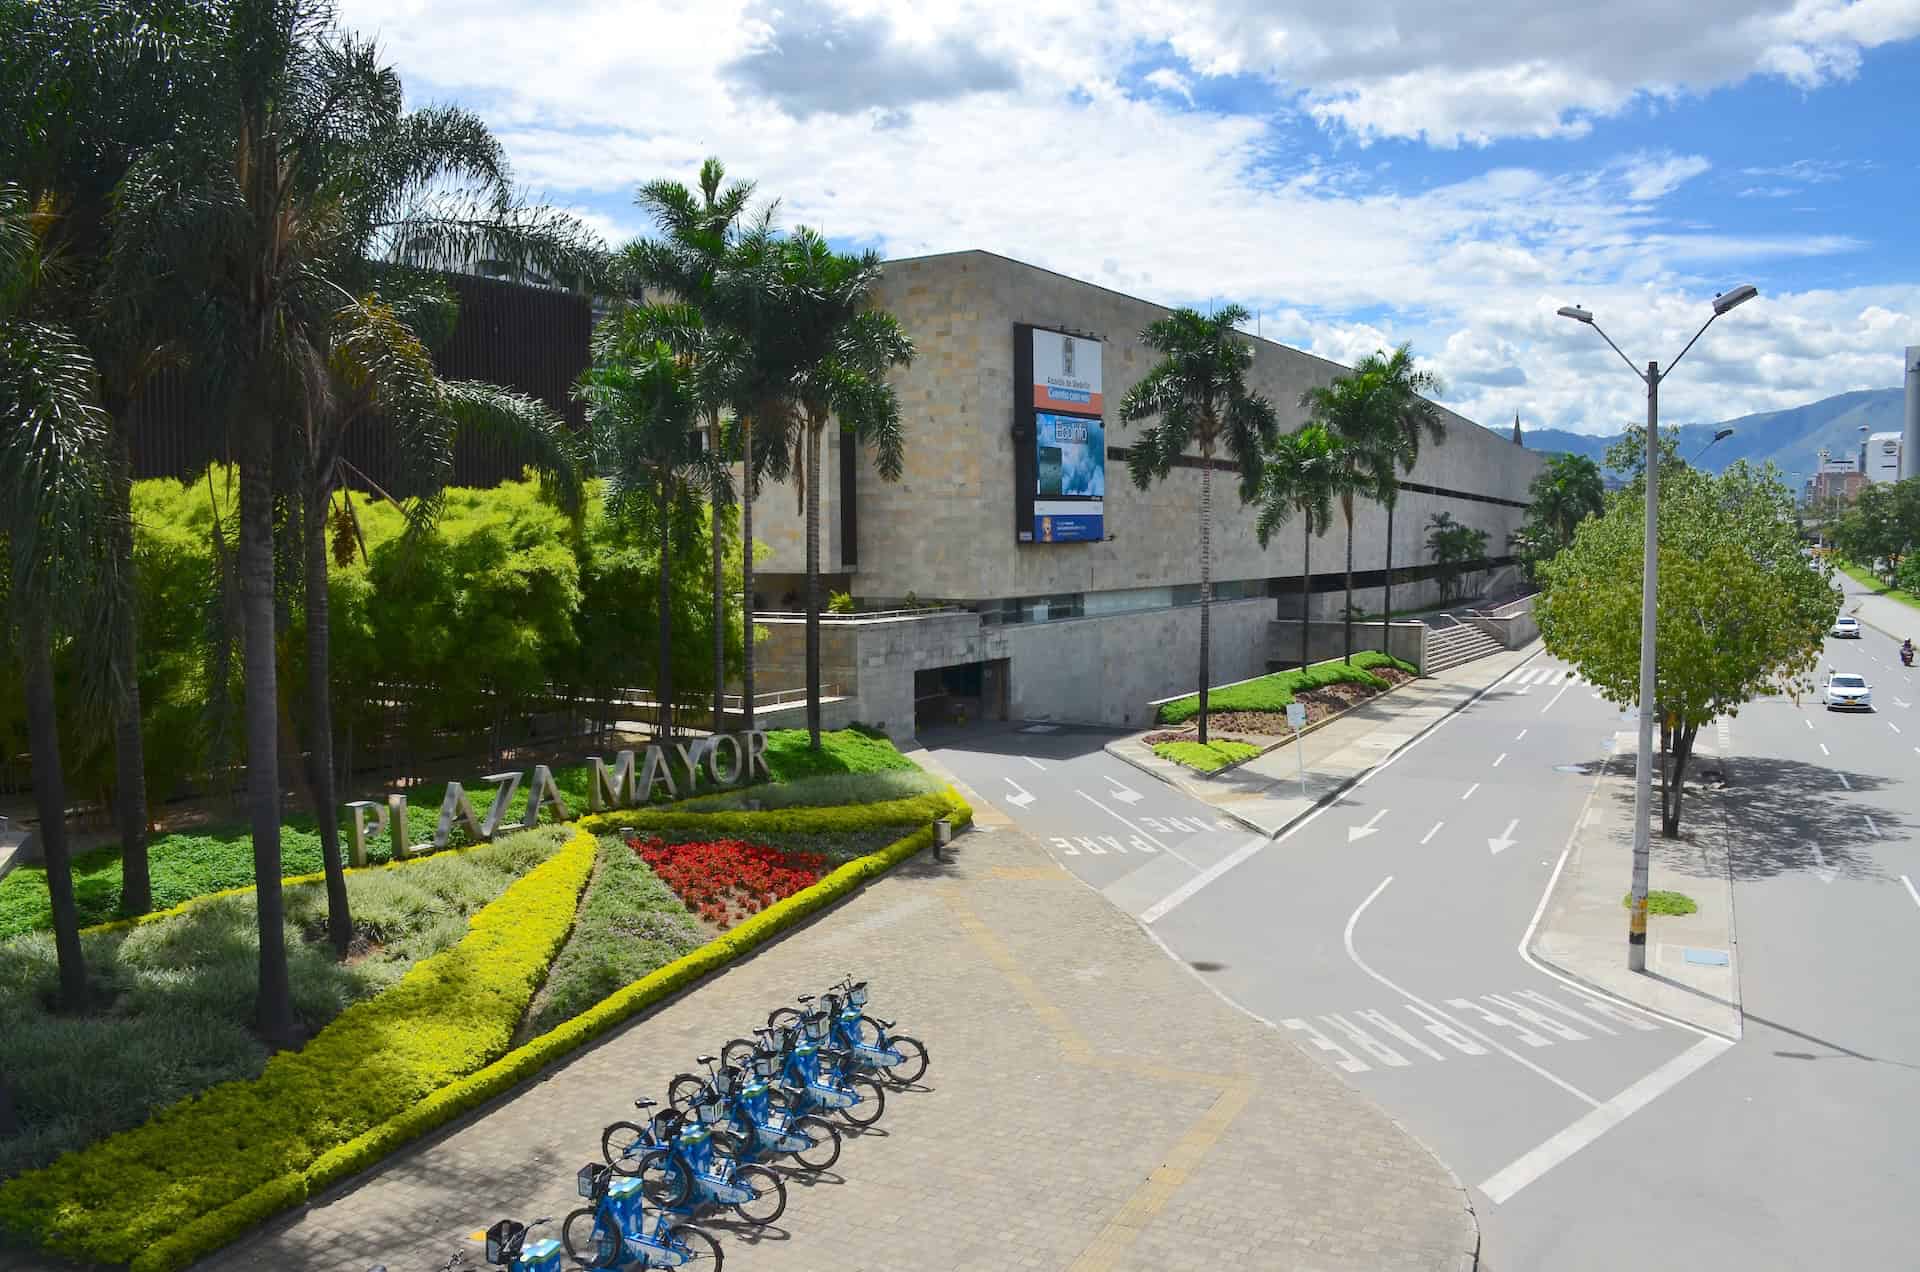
(769, 1195)
(913, 1059)
(703, 1252)
(684, 1091)
(783, 1018)
(871, 1104)
(824, 1150)
(623, 1145)
(664, 1179)
(739, 1053)
(867, 1031)
(592, 1239)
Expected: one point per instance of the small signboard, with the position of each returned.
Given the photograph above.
(1296, 716)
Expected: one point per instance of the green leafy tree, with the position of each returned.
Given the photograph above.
(1455, 549)
(1197, 395)
(1406, 416)
(1741, 610)
(1566, 493)
(1299, 476)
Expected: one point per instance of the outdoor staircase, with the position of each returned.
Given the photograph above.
(1460, 643)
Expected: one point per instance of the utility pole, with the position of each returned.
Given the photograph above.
(1643, 763)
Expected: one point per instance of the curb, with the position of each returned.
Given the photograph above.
(1340, 790)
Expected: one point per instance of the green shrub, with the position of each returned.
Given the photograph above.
(1669, 903)
(854, 750)
(1207, 757)
(1273, 692)
(201, 1171)
(825, 790)
(895, 812)
(629, 924)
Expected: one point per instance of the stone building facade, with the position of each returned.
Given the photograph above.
(1086, 631)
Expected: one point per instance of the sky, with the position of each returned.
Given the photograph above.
(1356, 174)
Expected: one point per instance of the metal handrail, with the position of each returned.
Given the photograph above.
(829, 616)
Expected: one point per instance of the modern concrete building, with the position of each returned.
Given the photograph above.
(1070, 594)
(1881, 457)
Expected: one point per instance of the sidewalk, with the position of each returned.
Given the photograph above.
(1265, 793)
(1089, 1106)
(1693, 961)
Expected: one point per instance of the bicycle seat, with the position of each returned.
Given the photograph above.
(804, 998)
(884, 1024)
(703, 1059)
(644, 1104)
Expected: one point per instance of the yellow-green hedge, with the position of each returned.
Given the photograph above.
(911, 811)
(119, 1201)
(208, 1168)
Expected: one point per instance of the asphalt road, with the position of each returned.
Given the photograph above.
(1384, 932)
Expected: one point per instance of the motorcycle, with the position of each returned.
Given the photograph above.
(1906, 655)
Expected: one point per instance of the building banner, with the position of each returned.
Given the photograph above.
(1060, 452)
(1066, 373)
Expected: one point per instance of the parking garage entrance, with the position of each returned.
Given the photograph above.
(961, 694)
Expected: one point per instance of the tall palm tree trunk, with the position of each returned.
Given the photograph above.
(129, 747)
(1206, 580)
(1347, 508)
(50, 800)
(664, 685)
(274, 1007)
(1386, 620)
(814, 428)
(719, 616)
(320, 716)
(1306, 585)
(746, 574)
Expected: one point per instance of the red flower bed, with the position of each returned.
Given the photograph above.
(725, 880)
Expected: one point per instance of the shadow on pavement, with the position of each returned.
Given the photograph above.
(1781, 809)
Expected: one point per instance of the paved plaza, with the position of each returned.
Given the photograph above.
(1091, 1104)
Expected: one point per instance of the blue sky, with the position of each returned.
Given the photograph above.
(1357, 175)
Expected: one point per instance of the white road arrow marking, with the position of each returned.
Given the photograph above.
(1898, 703)
(1020, 797)
(1821, 868)
(1506, 841)
(1124, 794)
(1365, 829)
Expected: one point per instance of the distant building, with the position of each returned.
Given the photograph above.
(1883, 457)
(1836, 479)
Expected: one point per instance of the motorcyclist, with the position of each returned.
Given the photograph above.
(1906, 651)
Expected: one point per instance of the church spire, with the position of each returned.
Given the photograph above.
(1516, 430)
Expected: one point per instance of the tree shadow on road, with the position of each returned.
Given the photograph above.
(1781, 809)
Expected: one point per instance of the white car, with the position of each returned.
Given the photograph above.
(1846, 627)
(1848, 692)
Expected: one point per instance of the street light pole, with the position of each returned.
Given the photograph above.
(1643, 763)
(1649, 608)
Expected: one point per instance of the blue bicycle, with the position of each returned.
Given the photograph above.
(673, 1157)
(741, 1103)
(869, 1041)
(813, 1077)
(507, 1248)
(613, 1231)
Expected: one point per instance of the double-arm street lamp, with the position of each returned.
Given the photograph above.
(1649, 589)
(1720, 435)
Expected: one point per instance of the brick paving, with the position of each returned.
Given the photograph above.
(1090, 1105)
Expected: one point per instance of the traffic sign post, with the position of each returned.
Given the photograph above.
(1297, 719)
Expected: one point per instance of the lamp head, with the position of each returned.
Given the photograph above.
(1723, 435)
(1730, 299)
(1576, 313)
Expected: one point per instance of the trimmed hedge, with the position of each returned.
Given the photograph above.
(1274, 692)
(893, 812)
(39, 1205)
(203, 1171)
(1207, 757)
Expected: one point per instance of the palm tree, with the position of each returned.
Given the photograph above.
(89, 85)
(1567, 493)
(1198, 392)
(644, 401)
(1363, 462)
(1299, 477)
(1405, 415)
(699, 234)
(53, 507)
(839, 350)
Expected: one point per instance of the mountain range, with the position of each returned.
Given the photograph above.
(1791, 439)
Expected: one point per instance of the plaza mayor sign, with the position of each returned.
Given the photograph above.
(728, 759)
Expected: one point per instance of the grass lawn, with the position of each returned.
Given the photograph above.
(1207, 757)
(629, 924)
(1274, 692)
(194, 863)
(178, 994)
(1672, 903)
(1865, 578)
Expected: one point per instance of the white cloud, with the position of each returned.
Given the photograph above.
(1168, 80)
(1177, 205)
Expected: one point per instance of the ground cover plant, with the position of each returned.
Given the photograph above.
(1273, 693)
(1669, 903)
(852, 767)
(630, 924)
(140, 1192)
(179, 991)
(1208, 757)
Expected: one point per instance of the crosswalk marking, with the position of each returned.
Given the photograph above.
(1361, 1040)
